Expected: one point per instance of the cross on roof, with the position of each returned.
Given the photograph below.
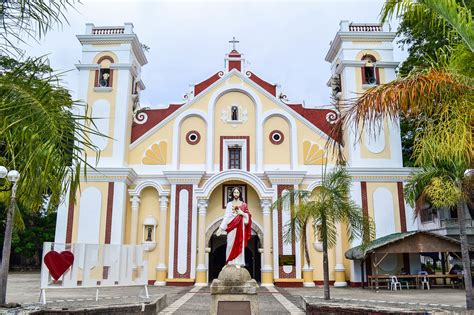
(233, 42)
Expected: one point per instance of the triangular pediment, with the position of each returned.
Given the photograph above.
(319, 120)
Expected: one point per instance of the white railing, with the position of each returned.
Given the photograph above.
(453, 223)
(68, 266)
(365, 27)
(108, 30)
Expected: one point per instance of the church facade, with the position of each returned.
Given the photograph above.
(165, 175)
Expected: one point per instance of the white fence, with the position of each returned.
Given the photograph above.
(94, 266)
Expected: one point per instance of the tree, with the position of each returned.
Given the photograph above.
(31, 230)
(425, 40)
(324, 208)
(439, 101)
(29, 18)
(41, 137)
(30, 102)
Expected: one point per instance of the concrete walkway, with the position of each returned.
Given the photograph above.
(270, 301)
(23, 288)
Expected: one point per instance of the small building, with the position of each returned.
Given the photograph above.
(375, 257)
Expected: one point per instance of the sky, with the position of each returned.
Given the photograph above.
(283, 42)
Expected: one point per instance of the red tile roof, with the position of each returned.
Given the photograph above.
(318, 117)
(155, 116)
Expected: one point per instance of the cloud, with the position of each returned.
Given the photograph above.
(283, 42)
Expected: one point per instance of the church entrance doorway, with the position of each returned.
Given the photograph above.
(217, 257)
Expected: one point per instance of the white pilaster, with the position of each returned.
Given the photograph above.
(201, 267)
(117, 235)
(161, 267)
(135, 200)
(339, 268)
(267, 242)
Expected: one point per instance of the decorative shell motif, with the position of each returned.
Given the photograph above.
(313, 154)
(156, 154)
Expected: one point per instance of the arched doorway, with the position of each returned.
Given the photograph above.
(217, 256)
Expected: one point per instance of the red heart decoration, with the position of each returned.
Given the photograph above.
(58, 263)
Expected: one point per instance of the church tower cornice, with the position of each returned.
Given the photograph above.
(349, 31)
(103, 35)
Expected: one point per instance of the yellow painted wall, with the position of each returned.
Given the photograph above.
(246, 128)
(163, 134)
(193, 153)
(110, 97)
(345, 246)
(317, 259)
(149, 205)
(364, 152)
(273, 153)
(368, 52)
(384, 154)
(224, 129)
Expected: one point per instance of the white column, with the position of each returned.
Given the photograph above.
(267, 270)
(161, 267)
(339, 269)
(201, 277)
(135, 200)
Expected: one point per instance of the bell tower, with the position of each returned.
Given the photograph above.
(110, 83)
(361, 56)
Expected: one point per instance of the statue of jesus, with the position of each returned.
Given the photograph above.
(237, 222)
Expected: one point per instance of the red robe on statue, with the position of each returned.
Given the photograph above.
(238, 224)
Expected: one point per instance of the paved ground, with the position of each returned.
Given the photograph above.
(23, 288)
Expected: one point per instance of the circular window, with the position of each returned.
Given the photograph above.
(193, 137)
(276, 137)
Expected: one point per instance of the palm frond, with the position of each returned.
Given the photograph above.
(44, 140)
(428, 92)
(415, 189)
(457, 15)
(447, 140)
(30, 18)
(431, 93)
(452, 12)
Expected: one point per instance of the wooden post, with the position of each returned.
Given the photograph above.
(362, 275)
(374, 262)
(443, 266)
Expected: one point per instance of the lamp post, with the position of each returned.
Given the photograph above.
(12, 177)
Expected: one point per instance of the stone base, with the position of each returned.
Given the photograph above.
(234, 285)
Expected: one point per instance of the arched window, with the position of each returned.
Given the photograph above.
(104, 76)
(370, 73)
(234, 113)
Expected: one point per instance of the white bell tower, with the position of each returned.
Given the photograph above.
(361, 56)
(110, 82)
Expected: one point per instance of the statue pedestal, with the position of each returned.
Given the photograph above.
(234, 292)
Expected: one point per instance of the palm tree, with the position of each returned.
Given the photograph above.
(39, 134)
(439, 102)
(324, 208)
(444, 12)
(31, 18)
(41, 137)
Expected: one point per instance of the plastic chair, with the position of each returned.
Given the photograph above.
(424, 280)
(405, 282)
(394, 283)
